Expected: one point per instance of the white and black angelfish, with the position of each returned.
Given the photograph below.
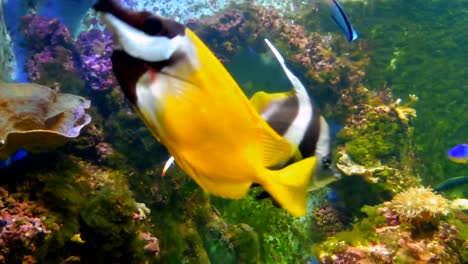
(294, 116)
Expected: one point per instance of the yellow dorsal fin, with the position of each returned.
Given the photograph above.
(260, 100)
(275, 148)
(288, 186)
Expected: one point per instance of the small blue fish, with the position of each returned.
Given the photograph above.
(342, 20)
(18, 155)
(332, 196)
(251, 50)
(459, 154)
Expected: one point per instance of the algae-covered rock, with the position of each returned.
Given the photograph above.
(62, 209)
(37, 119)
(376, 141)
(415, 227)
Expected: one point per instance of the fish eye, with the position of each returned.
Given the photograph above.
(152, 26)
(326, 162)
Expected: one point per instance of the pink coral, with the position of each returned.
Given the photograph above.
(104, 150)
(152, 243)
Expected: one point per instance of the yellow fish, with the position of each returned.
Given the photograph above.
(194, 107)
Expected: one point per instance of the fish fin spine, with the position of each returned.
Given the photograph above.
(275, 148)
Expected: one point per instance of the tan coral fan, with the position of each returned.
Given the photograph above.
(36, 118)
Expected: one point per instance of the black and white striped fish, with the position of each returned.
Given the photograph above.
(294, 116)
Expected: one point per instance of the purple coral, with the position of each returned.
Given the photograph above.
(58, 54)
(41, 32)
(95, 48)
(51, 46)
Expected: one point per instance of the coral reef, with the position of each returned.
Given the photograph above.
(247, 25)
(193, 229)
(37, 119)
(91, 209)
(87, 209)
(394, 232)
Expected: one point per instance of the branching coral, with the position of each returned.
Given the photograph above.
(404, 111)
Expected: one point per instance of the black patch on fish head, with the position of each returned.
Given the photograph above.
(128, 70)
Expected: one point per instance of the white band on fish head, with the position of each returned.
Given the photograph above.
(140, 45)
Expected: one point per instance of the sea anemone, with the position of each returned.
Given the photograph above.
(419, 205)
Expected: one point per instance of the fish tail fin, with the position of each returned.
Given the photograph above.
(288, 186)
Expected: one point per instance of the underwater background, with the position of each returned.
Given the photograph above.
(80, 175)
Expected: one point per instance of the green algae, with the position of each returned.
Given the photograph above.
(413, 54)
(362, 233)
(283, 238)
(133, 142)
(378, 139)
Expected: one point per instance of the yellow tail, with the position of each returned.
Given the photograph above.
(288, 186)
